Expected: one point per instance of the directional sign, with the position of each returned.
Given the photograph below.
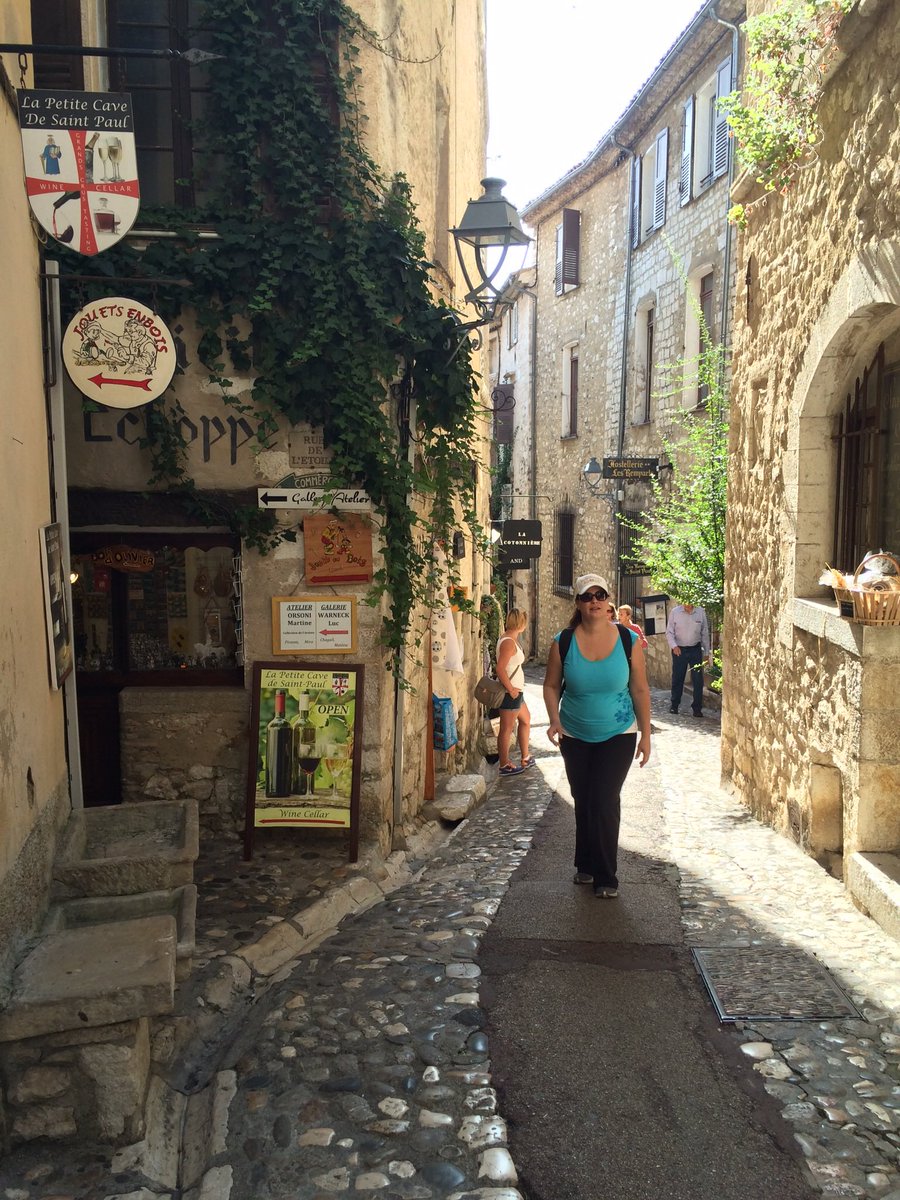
(630, 468)
(350, 498)
(119, 352)
(511, 560)
(522, 538)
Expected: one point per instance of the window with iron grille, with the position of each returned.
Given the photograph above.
(570, 392)
(169, 97)
(867, 511)
(564, 552)
(706, 337)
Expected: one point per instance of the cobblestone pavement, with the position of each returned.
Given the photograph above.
(361, 1066)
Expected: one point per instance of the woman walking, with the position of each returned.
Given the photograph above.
(598, 703)
(510, 672)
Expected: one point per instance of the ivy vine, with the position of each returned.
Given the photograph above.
(317, 285)
(775, 120)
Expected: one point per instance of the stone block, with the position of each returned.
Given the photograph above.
(878, 813)
(282, 943)
(40, 1083)
(473, 784)
(128, 848)
(99, 975)
(120, 1075)
(873, 880)
(180, 903)
(44, 1121)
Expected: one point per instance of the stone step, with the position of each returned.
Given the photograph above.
(873, 881)
(90, 976)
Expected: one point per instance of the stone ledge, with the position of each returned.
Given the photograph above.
(819, 616)
(98, 975)
(873, 880)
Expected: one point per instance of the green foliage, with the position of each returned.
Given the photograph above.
(776, 118)
(317, 287)
(681, 537)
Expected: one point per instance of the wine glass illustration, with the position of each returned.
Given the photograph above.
(103, 151)
(337, 760)
(308, 760)
(115, 156)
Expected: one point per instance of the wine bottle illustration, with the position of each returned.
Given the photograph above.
(304, 757)
(278, 751)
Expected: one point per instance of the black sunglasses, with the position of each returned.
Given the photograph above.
(585, 596)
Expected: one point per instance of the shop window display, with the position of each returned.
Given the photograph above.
(158, 608)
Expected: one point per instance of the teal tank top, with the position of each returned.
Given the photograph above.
(596, 703)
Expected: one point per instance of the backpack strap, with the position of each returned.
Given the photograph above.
(565, 641)
(627, 642)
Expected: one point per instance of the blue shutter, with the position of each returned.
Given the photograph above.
(721, 139)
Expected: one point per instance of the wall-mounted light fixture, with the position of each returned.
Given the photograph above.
(490, 227)
(592, 474)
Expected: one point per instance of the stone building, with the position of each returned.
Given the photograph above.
(623, 241)
(511, 382)
(158, 706)
(811, 712)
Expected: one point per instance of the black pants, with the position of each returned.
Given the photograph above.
(690, 656)
(596, 772)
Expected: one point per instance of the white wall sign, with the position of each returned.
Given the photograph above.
(313, 624)
(119, 352)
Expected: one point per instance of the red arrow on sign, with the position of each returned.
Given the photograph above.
(332, 632)
(99, 380)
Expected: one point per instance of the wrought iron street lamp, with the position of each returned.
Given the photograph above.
(592, 474)
(490, 227)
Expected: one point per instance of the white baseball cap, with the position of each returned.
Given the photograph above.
(583, 582)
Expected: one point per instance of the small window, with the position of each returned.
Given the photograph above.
(649, 357)
(512, 326)
(685, 178)
(867, 441)
(570, 392)
(707, 333)
(568, 251)
(564, 552)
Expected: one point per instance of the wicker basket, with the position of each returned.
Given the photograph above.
(871, 607)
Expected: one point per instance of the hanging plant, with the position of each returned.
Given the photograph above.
(318, 286)
(775, 119)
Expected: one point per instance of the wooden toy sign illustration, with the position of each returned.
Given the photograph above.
(80, 165)
(119, 352)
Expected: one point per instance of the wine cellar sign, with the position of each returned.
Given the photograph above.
(305, 748)
(80, 165)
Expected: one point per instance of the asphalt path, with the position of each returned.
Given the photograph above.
(614, 1075)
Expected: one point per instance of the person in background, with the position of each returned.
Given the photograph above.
(600, 722)
(513, 710)
(611, 612)
(687, 633)
(625, 619)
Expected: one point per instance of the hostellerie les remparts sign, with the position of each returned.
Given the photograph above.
(80, 165)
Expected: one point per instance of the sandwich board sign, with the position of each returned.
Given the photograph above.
(80, 165)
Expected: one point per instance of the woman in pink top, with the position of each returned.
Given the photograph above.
(625, 619)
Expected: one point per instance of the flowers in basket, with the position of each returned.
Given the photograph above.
(871, 595)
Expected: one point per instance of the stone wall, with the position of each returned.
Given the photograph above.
(809, 697)
(84, 1084)
(187, 743)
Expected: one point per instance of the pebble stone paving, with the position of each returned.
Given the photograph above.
(365, 1068)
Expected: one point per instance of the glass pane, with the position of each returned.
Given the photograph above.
(92, 615)
(143, 10)
(157, 176)
(890, 512)
(153, 118)
(179, 614)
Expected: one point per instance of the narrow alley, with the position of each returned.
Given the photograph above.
(488, 1031)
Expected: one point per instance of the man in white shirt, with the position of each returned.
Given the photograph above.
(687, 633)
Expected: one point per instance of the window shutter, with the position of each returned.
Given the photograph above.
(720, 142)
(559, 260)
(659, 179)
(635, 201)
(503, 401)
(687, 151)
(59, 22)
(571, 247)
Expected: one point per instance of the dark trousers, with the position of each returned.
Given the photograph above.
(596, 772)
(690, 656)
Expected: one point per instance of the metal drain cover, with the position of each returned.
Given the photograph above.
(770, 983)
